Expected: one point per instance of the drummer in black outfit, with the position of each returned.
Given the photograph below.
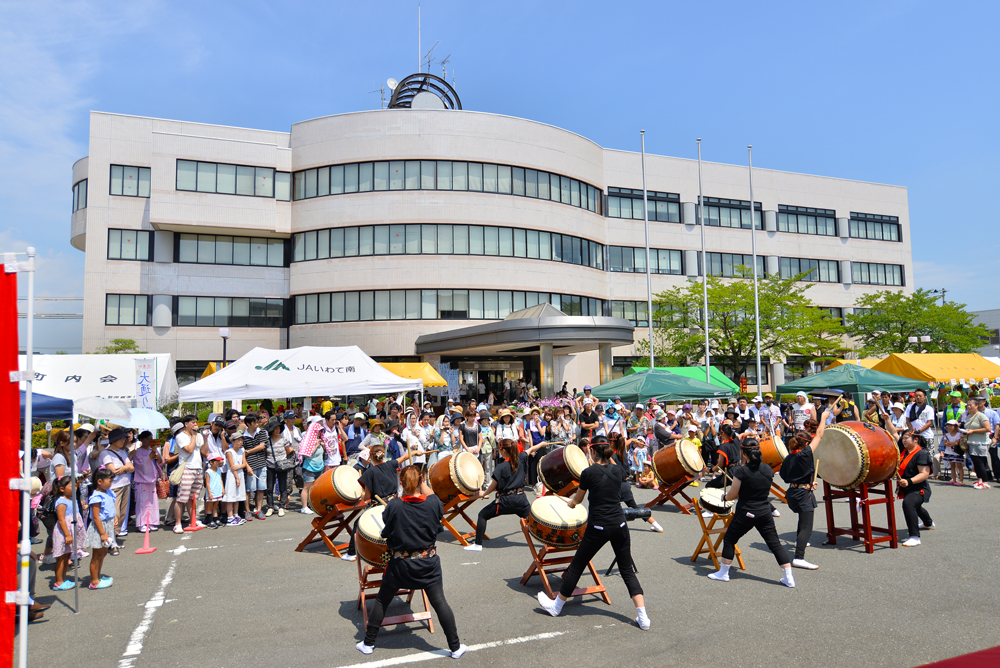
(411, 526)
(605, 523)
(509, 479)
(377, 482)
(727, 456)
(799, 471)
(621, 455)
(914, 469)
(751, 486)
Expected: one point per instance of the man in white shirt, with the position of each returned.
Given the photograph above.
(769, 416)
(920, 416)
(191, 447)
(802, 410)
(482, 391)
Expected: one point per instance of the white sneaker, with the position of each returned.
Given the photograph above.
(281, 512)
(548, 604)
(775, 513)
(717, 576)
(307, 511)
(643, 622)
(802, 563)
(349, 557)
(365, 649)
(927, 528)
(457, 654)
(473, 548)
(787, 582)
(913, 541)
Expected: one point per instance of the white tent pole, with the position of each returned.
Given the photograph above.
(76, 558)
(29, 375)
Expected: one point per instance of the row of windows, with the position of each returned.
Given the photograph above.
(127, 310)
(80, 195)
(879, 228)
(636, 313)
(129, 181)
(445, 240)
(661, 260)
(822, 271)
(731, 213)
(210, 177)
(444, 175)
(626, 203)
(229, 312)
(725, 264)
(870, 273)
(803, 220)
(130, 245)
(432, 305)
(217, 249)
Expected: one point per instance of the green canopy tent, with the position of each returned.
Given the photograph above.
(661, 385)
(852, 378)
(696, 372)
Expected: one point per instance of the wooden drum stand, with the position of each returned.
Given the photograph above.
(542, 565)
(456, 507)
(370, 577)
(861, 528)
(667, 494)
(710, 546)
(328, 527)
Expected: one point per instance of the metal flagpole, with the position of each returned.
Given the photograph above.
(753, 245)
(649, 278)
(704, 267)
(28, 376)
(72, 523)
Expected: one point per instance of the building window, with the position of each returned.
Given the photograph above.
(127, 310)
(803, 220)
(725, 264)
(627, 203)
(130, 245)
(731, 213)
(446, 240)
(444, 175)
(366, 305)
(871, 226)
(635, 312)
(834, 312)
(129, 181)
(218, 249)
(80, 195)
(870, 273)
(225, 179)
(662, 261)
(821, 271)
(229, 312)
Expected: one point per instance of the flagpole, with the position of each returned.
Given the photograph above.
(649, 279)
(753, 246)
(704, 267)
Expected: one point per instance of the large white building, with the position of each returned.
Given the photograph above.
(377, 227)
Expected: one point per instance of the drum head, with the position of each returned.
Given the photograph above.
(779, 445)
(555, 513)
(370, 524)
(345, 481)
(690, 457)
(575, 460)
(715, 500)
(466, 472)
(841, 456)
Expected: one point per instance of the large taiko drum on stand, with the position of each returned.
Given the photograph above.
(772, 450)
(372, 548)
(456, 474)
(854, 453)
(673, 463)
(554, 523)
(339, 485)
(562, 467)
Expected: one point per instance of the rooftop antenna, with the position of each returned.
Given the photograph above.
(427, 56)
(381, 91)
(444, 67)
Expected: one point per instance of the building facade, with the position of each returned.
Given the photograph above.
(377, 227)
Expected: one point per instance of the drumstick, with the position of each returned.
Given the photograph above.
(380, 500)
(815, 471)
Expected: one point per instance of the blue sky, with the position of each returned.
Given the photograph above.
(893, 92)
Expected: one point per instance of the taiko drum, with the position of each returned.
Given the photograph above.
(338, 486)
(456, 474)
(854, 453)
(673, 463)
(562, 467)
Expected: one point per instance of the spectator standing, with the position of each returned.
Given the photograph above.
(311, 456)
(279, 461)
(191, 448)
(116, 460)
(977, 429)
(255, 442)
(236, 488)
(146, 461)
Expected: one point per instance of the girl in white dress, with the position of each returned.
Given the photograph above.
(236, 489)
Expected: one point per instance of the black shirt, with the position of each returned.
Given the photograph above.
(605, 493)
(412, 525)
(664, 437)
(731, 451)
(471, 436)
(921, 458)
(755, 486)
(506, 478)
(798, 467)
(381, 479)
(589, 422)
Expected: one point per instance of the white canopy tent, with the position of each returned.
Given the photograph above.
(307, 371)
(104, 376)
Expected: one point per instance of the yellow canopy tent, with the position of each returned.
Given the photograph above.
(868, 363)
(940, 367)
(416, 371)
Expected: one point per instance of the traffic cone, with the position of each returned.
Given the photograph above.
(146, 549)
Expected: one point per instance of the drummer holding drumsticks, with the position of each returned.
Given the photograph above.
(799, 471)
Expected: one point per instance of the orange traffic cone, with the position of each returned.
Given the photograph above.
(146, 549)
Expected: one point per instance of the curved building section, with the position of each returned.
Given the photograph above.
(378, 228)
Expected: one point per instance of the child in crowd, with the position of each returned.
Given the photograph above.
(236, 490)
(214, 491)
(102, 527)
(646, 478)
(640, 455)
(952, 453)
(146, 461)
(67, 512)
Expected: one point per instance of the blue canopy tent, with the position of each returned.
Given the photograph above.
(45, 408)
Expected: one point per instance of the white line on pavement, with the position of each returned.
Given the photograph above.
(134, 647)
(443, 653)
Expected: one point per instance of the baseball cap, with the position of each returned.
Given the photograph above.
(232, 424)
(692, 428)
(686, 407)
(769, 396)
(219, 420)
(360, 416)
(758, 399)
(288, 415)
(671, 412)
(954, 393)
(954, 422)
(617, 398)
(587, 387)
(215, 458)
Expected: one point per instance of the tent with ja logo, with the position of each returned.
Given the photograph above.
(298, 372)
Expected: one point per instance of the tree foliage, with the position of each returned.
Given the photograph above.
(119, 346)
(790, 324)
(884, 321)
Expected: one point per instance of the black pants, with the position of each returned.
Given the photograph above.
(435, 594)
(764, 524)
(515, 504)
(593, 540)
(913, 508)
(281, 476)
(995, 463)
(803, 532)
(533, 467)
(982, 469)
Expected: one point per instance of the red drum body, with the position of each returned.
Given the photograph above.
(672, 464)
(854, 453)
(368, 541)
(556, 524)
(561, 468)
(773, 451)
(456, 474)
(338, 486)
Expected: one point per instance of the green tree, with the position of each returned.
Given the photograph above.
(884, 321)
(790, 324)
(118, 346)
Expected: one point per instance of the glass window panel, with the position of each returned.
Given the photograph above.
(520, 244)
(476, 176)
(503, 179)
(351, 241)
(556, 300)
(639, 260)
(444, 175)
(114, 244)
(324, 307)
(337, 307)
(577, 251)
(532, 244)
(412, 174)
(241, 251)
(206, 249)
(445, 304)
(476, 240)
(583, 196)
(626, 206)
(592, 196)
(226, 179)
(277, 185)
(490, 303)
(615, 207)
(337, 243)
(413, 304)
(505, 303)
(336, 179)
(310, 178)
(530, 183)
(367, 299)
(506, 242)
(130, 181)
(397, 239)
(491, 240)
(544, 246)
(427, 176)
(224, 250)
(205, 316)
(475, 304)
(244, 180)
(530, 299)
(264, 185)
(299, 181)
(116, 178)
(223, 305)
(352, 307)
(567, 248)
(489, 178)
(461, 235)
(554, 187)
(615, 258)
(381, 240)
(564, 190)
(396, 175)
(381, 305)
(397, 304)
(638, 212)
(381, 176)
(460, 176)
(428, 304)
(240, 316)
(412, 239)
(518, 180)
(428, 239)
(519, 301)
(365, 177)
(445, 240)
(186, 174)
(557, 248)
(574, 192)
(543, 185)
(258, 249)
(366, 240)
(351, 178)
(206, 177)
(322, 246)
(142, 251)
(323, 181)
